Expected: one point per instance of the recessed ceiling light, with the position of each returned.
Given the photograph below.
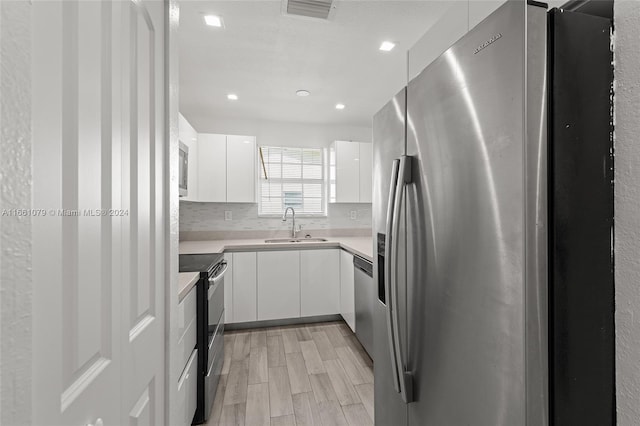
(303, 93)
(339, 106)
(387, 46)
(213, 21)
(232, 97)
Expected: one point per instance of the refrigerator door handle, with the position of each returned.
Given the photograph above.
(388, 276)
(405, 378)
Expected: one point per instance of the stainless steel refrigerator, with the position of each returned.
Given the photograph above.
(460, 218)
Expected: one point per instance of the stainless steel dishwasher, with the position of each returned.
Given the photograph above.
(365, 295)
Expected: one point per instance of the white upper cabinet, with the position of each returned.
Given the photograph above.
(241, 169)
(212, 168)
(366, 172)
(188, 136)
(350, 172)
(226, 169)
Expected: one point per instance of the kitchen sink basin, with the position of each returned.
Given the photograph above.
(296, 240)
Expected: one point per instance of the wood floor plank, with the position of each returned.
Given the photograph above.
(320, 326)
(274, 331)
(344, 389)
(216, 411)
(344, 328)
(303, 334)
(312, 357)
(357, 348)
(297, 370)
(289, 420)
(306, 410)
(290, 340)
(241, 346)
(335, 336)
(351, 365)
(258, 412)
(237, 382)
(258, 366)
(322, 388)
(365, 392)
(258, 338)
(279, 392)
(229, 343)
(325, 348)
(275, 351)
(233, 415)
(331, 413)
(357, 415)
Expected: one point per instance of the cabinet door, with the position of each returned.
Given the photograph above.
(347, 172)
(244, 287)
(228, 289)
(319, 282)
(366, 176)
(241, 168)
(212, 168)
(347, 290)
(278, 284)
(189, 136)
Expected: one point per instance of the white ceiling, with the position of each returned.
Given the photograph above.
(264, 56)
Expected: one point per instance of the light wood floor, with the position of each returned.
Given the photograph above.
(316, 374)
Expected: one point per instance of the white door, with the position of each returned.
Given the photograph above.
(98, 138)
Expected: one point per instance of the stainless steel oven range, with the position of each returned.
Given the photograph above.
(210, 327)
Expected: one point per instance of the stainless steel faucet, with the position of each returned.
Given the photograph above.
(294, 231)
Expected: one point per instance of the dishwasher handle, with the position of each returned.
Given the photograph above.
(364, 265)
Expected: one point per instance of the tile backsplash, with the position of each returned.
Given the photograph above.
(195, 216)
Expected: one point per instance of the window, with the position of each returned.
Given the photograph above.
(294, 178)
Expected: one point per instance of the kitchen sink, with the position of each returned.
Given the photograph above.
(296, 240)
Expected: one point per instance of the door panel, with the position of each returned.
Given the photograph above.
(99, 174)
(388, 145)
(466, 219)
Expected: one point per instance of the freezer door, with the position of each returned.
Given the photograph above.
(388, 145)
(468, 217)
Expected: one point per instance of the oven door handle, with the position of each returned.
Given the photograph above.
(220, 274)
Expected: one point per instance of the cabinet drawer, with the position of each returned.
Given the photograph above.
(187, 342)
(187, 312)
(187, 390)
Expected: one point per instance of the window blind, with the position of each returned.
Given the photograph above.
(295, 178)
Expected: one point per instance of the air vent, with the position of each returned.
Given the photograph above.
(320, 9)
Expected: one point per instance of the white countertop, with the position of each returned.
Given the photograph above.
(361, 246)
(186, 281)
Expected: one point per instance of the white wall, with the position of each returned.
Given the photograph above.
(627, 206)
(15, 232)
(275, 133)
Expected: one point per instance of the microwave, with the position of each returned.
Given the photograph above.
(183, 173)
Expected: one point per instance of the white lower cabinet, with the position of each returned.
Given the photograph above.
(228, 289)
(347, 290)
(270, 285)
(278, 284)
(187, 390)
(319, 282)
(244, 287)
